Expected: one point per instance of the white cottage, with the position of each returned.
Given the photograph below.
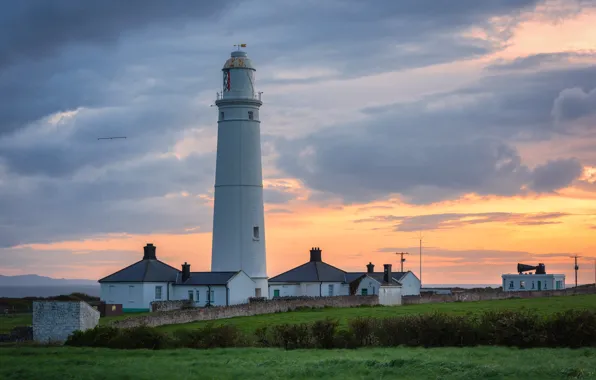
(312, 279)
(150, 279)
(537, 281)
(316, 278)
(370, 281)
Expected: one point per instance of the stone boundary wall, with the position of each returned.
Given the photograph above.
(486, 296)
(54, 321)
(157, 306)
(244, 310)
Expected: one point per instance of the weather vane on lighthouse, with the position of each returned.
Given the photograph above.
(240, 46)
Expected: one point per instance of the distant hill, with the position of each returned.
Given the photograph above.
(36, 280)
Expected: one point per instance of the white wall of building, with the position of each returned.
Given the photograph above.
(390, 295)
(410, 285)
(533, 282)
(368, 286)
(132, 296)
(309, 289)
(199, 294)
(241, 287)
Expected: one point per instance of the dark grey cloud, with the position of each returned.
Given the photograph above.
(153, 195)
(444, 145)
(459, 220)
(555, 175)
(575, 103)
(39, 29)
(142, 69)
(537, 60)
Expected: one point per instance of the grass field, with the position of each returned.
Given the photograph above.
(541, 305)
(404, 363)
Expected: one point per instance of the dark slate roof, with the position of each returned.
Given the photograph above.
(144, 271)
(376, 275)
(312, 271)
(207, 278)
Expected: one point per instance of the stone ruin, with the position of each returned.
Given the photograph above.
(54, 321)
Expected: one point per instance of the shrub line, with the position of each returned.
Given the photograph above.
(523, 329)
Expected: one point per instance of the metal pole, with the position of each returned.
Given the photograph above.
(421, 262)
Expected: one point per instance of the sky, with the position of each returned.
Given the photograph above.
(470, 124)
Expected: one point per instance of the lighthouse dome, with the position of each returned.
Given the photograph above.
(238, 60)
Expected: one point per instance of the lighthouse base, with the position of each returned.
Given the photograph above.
(261, 287)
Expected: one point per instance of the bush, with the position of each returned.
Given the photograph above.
(363, 331)
(571, 328)
(141, 337)
(100, 336)
(211, 336)
(323, 332)
(291, 336)
(522, 329)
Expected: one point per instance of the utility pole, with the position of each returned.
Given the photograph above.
(576, 267)
(402, 259)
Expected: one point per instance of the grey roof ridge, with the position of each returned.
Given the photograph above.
(317, 270)
(135, 263)
(118, 271)
(289, 270)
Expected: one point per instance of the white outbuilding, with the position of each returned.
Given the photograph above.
(528, 282)
(150, 279)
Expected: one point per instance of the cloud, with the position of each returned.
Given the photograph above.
(442, 146)
(70, 74)
(459, 220)
(154, 194)
(574, 103)
(39, 29)
(535, 61)
(555, 175)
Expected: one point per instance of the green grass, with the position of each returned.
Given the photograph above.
(249, 324)
(541, 305)
(391, 363)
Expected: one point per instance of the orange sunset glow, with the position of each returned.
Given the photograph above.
(472, 231)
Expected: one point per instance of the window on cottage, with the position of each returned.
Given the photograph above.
(510, 284)
(522, 284)
(331, 290)
(364, 291)
(211, 296)
(198, 298)
(251, 115)
(255, 232)
(276, 293)
(533, 285)
(158, 292)
(191, 295)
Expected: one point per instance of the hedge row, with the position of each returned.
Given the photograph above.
(573, 328)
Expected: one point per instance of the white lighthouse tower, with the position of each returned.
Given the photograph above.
(238, 214)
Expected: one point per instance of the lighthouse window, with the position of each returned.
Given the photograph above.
(255, 232)
(250, 115)
(221, 116)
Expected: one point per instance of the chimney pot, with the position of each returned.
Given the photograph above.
(185, 271)
(315, 254)
(387, 275)
(149, 252)
(370, 267)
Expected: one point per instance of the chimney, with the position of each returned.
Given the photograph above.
(149, 250)
(315, 254)
(387, 275)
(370, 268)
(185, 271)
